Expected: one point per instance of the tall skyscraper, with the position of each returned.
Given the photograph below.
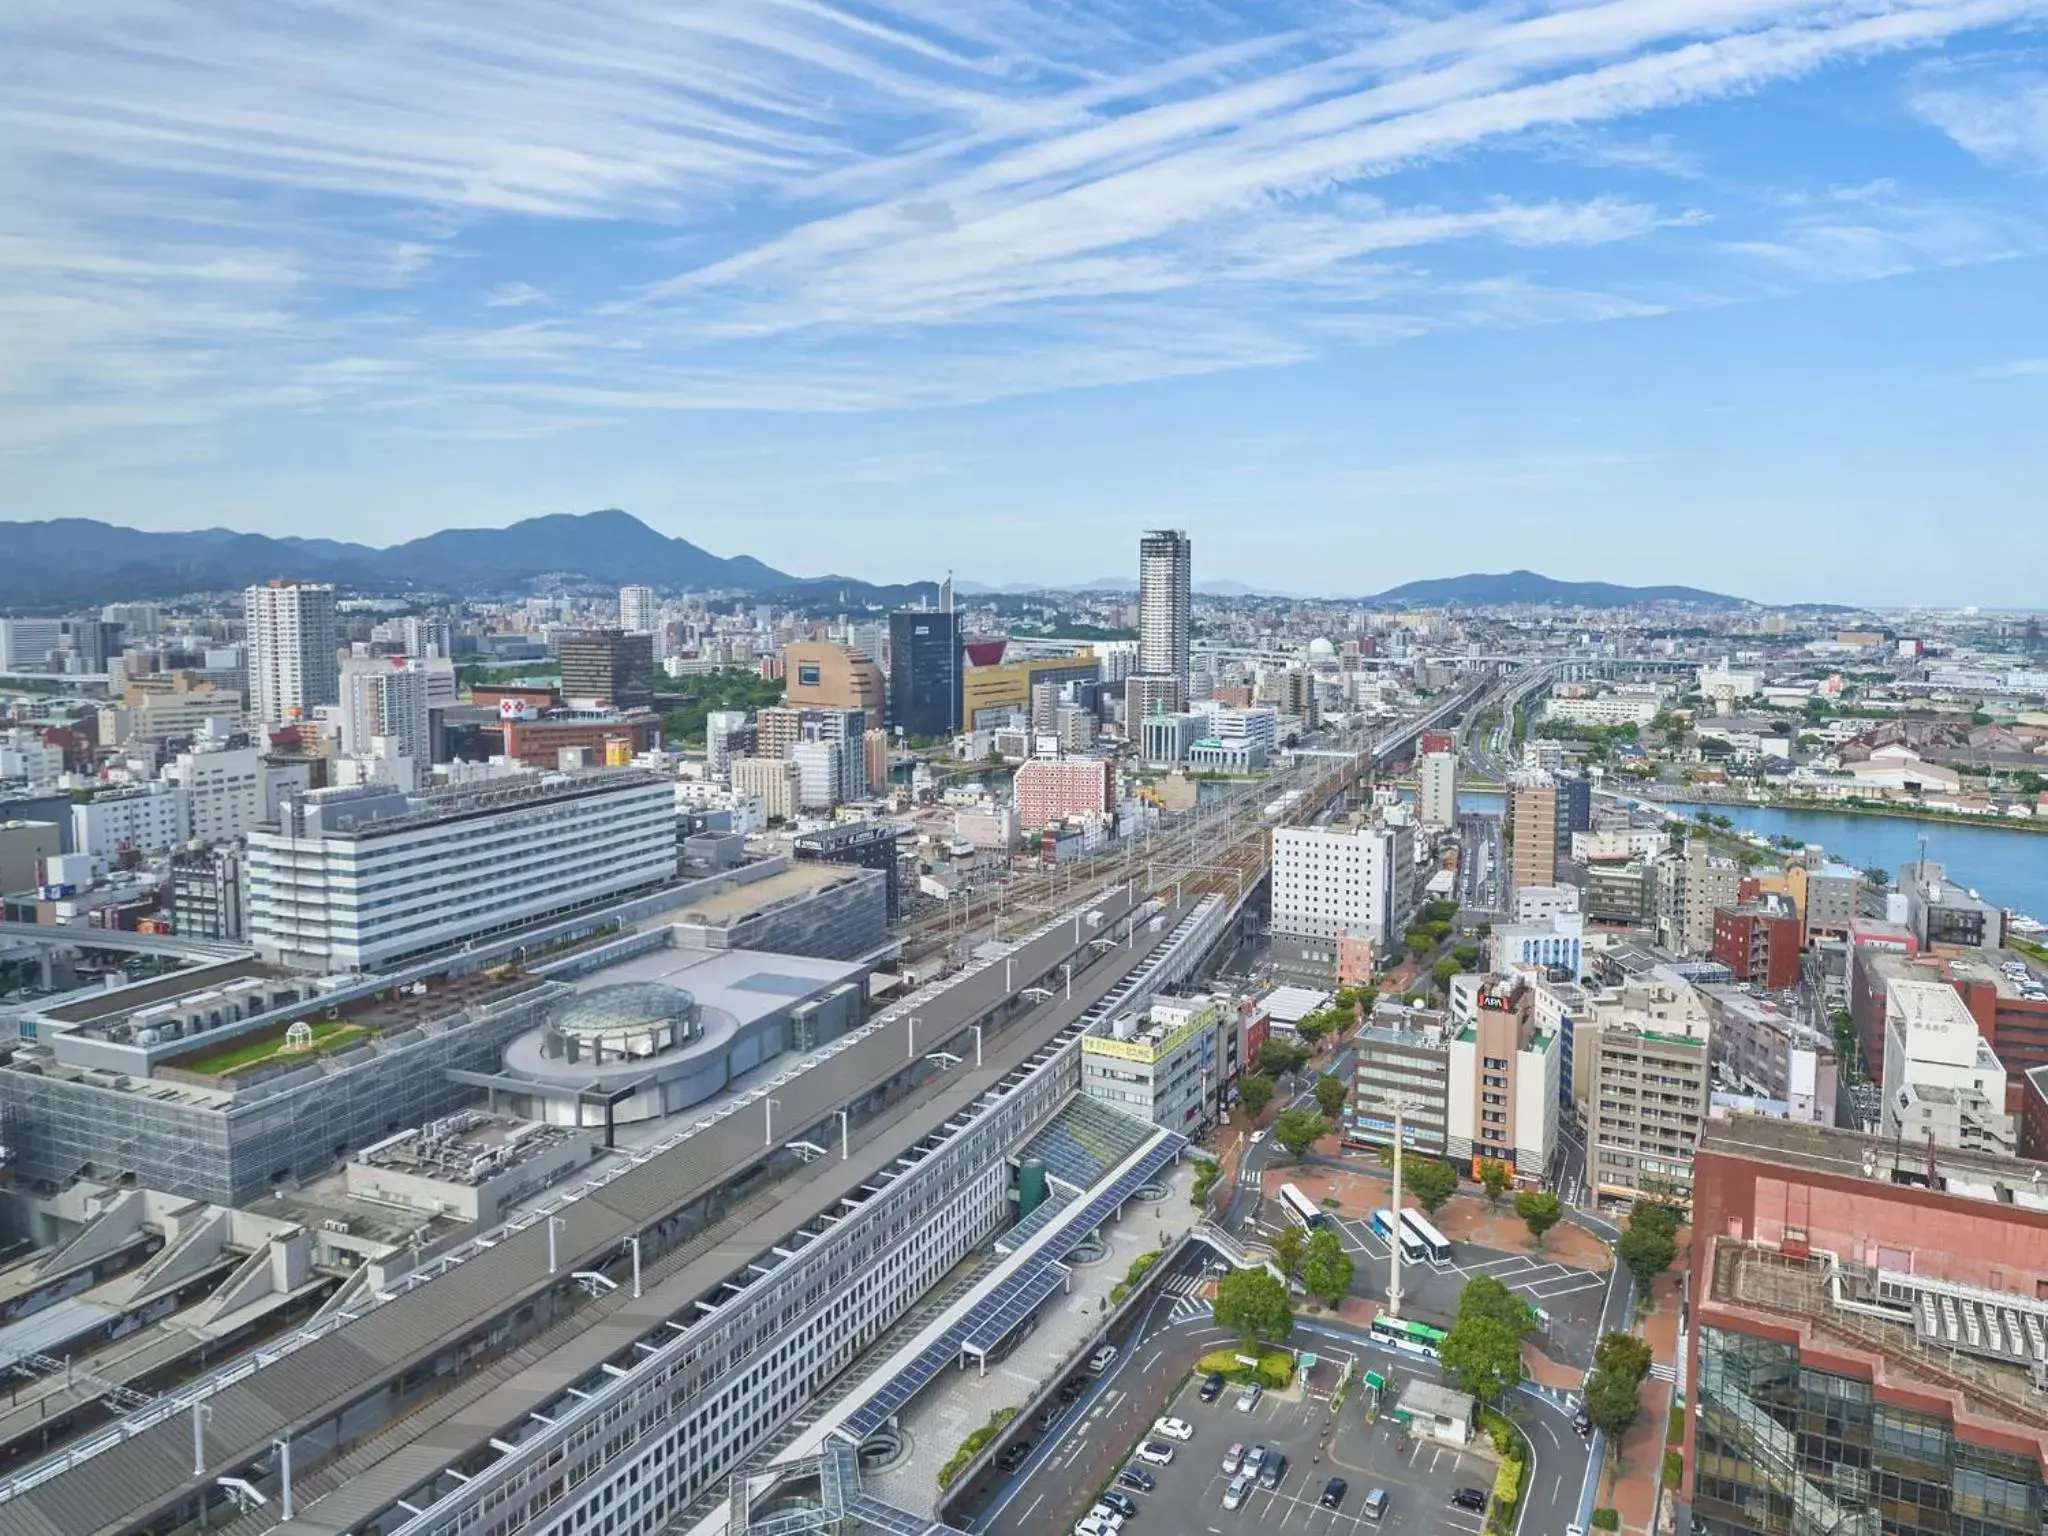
(1166, 562)
(1436, 796)
(636, 610)
(292, 666)
(386, 696)
(924, 672)
(1532, 821)
(608, 667)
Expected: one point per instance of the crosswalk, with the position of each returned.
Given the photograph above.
(1187, 1305)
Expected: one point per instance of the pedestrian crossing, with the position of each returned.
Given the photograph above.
(1187, 1304)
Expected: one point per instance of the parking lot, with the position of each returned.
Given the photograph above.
(1419, 1479)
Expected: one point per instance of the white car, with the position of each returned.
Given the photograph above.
(1106, 1517)
(1157, 1452)
(1257, 1137)
(1092, 1527)
(1174, 1429)
(1240, 1488)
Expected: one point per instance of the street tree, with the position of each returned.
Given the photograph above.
(1279, 1057)
(1311, 1029)
(1299, 1129)
(1485, 1297)
(1253, 1305)
(1329, 1095)
(1647, 1251)
(1288, 1248)
(1623, 1354)
(1482, 1356)
(1613, 1402)
(1429, 1181)
(1254, 1094)
(1327, 1270)
(1494, 1178)
(1540, 1210)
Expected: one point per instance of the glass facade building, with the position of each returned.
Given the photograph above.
(1782, 1446)
(924, 672)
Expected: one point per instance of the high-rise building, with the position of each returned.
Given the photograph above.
(1643, 1061)
(777, 730)
(846, 729)
(1165, 602)
(637, 610)
(770, 780)
(924, 672)
(1436, 795)
(1943, 1085)
(226, 791)
(1147, 696)
(1532, 823)
(1332, 882)
(607, 666)
(1574, 815)
(206, 893)
(386, 696)
(726, 736)
(817, 674)
(1052, 789)
(292, 665)
(820, 770)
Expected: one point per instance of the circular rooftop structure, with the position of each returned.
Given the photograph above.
(1320, 650)
(631, 1018)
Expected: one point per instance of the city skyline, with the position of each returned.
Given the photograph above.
(1633, 292)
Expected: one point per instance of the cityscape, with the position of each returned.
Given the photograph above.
(858, 768)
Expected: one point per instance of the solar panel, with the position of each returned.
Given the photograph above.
(991, 1319)
(874, 1514)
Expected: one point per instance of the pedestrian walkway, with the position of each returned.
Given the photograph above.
(1190, 1295)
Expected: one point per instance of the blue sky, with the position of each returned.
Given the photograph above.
(1745, 293)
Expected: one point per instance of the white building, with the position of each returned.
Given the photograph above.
(1604, 709)
(1542, 944)
(1436, 793)
(637, 610)
(387, 696)
(770, 780)
(721, 727)
(1335, 882)
(1620, 844)
(292, 666)
(1258, 727)
(151, 818)
(27, 758)
(1942, 1082)
(1540, 903)
(360, 879)
(26, 644)
(224, 789)
(1161, 1067)
(820, 774)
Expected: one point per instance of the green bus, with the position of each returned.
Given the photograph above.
(1402, 1333)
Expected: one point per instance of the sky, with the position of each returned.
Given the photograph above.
(1746, 294)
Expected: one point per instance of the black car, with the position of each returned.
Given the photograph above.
(1212, 1386)
(1582, 1421)
(1138, 1478)
(1123, 1504)
(1272, 1468)
(1014, 1455)
(1334, 1491)
(1469, 1498)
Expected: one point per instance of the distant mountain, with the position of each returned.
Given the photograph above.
(75, 561)
(1527, 587)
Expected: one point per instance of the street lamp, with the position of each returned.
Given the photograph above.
(1398, 1105)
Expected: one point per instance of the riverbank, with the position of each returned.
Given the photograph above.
(1888, 810)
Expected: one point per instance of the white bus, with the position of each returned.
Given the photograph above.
(1434, 1244)
(1304, 1212)
(1383, 1225)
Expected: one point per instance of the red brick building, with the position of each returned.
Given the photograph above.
(1052, 789)
(1760, 943)
(540, 743)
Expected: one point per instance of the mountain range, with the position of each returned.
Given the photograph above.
(73, 562)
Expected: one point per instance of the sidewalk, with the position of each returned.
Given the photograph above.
(1633, 1491)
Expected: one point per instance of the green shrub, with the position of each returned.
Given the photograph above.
(972, 1445)
(1207, 1169)
(1140, 1266)
(1606, 1519)
(1677, 1423)
(1674, 1468)
(1507, 1483)
(1507, 1444)
(1274, 1370)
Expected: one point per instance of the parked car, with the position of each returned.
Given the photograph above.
(1174, 1429)
(1248, 1399)
(1470, 1498)
(1014, 1455)
(1156, 1452)
(1106, 1517)
(1252, 1458)
(1138, 1478)
(1239, 1490)
(1121, 1503)
(1376, 1506)
(1092, 1528)
(1333, 1492)
(1102, 1359)
(1272, 1467)
(1233, 1459)
(1212, 1386)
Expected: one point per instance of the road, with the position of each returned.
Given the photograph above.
(1088, 1445)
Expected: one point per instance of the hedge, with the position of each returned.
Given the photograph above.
(972, 1445)
(1139, 1267)
(1606, 1519)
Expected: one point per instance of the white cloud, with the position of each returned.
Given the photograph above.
(2003, 122)
(514, 296)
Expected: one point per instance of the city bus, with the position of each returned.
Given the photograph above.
(1416, 1338)
(1434, 1244)
(1383, 1226)
(1304, 1212)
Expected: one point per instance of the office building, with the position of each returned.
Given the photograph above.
(1501, 1100)
(1704, 883)
(1759, 942)
(1574, 808)
(1644, 1059)
(774, 781)
(820, 675)
(1770, 1056)
(846, 729)
(226, 790)
(126, 823)
(859, 845)
(1165, 603)
(26, 758)
(29, 645)
(996, 695)
(1436, 791)
(582, 738)
(1160, 1065)
(386, 697)
(362, 879)
(924, 673)
(427, 637)
(1620, 893)
(727, 735)
(1943, 1085)
(1331, 882)
(206, 894)
(638, 612)
(1868, 1336)
(293, 668)
(1047, 790)
(777, 730)
(24, 845)
(1941, 912)
(607, 667)
(1147, 697)
(1532, 825)
(1402, 1055)
(820, 774)
(1830, 900)
(1543, 944)
(1165, 740)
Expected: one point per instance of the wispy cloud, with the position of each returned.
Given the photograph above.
(2003, 120)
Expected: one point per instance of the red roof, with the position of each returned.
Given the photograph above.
(985, 653)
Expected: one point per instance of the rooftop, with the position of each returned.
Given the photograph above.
(737, 902)
(1852, 1155)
